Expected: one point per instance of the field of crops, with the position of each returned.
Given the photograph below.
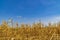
(36, 31)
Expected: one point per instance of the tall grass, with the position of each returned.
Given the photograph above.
(36, 31)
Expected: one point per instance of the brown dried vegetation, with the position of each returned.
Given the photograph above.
(27, 32)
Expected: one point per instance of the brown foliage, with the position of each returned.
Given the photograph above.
(28, 32)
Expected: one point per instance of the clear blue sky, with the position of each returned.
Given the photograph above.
(29, 10)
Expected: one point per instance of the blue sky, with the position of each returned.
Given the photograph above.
(28, 11)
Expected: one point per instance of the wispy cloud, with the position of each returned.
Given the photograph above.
(47, 2)
(52, 19)
(19, 16)
(45, 20)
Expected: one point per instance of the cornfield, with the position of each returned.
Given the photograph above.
(36, 31)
